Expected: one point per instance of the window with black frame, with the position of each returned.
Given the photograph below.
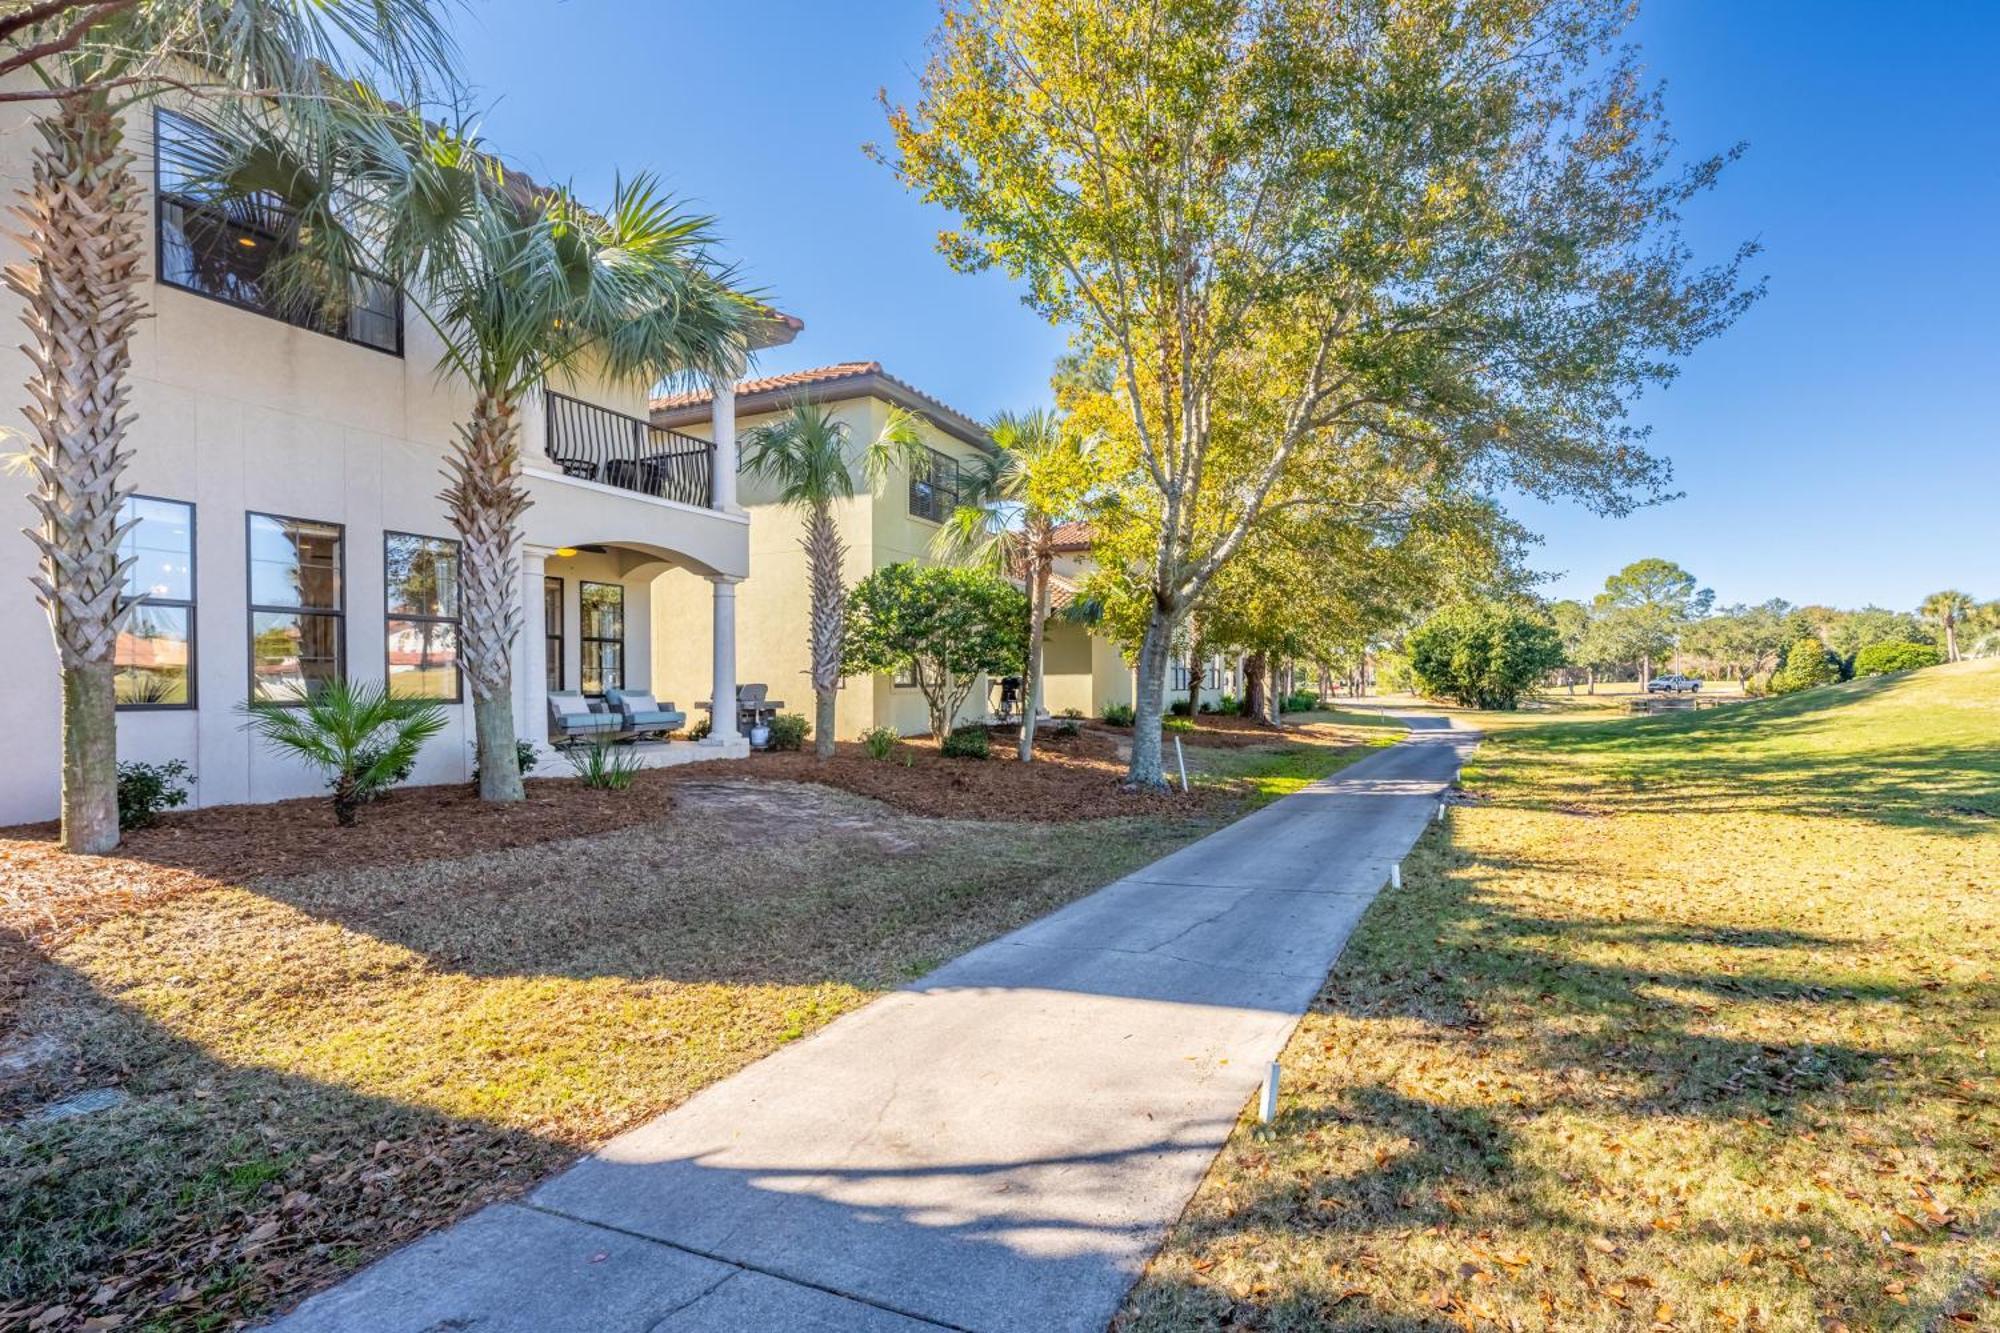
(154, 654)
(602, 636)
(226, 246)
(552, 629)
(934, 487)
(420, 604)
(297, 607)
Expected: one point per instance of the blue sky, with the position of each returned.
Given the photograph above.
(1839, 445)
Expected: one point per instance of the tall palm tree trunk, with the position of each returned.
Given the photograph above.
(1951, 638)
(826, 555)
(486, 499)
(80, 284)
(1042, 571)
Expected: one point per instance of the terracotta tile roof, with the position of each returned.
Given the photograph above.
(1072, 537)
(791, 379)
(843, 379)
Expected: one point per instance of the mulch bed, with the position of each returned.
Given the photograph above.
(1071, 779)
(1227, 731)
(44, 889)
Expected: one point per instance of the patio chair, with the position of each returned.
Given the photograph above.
(571, 719)
(640, 715)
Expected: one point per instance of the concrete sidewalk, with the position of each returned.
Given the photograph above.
(1000, 1146)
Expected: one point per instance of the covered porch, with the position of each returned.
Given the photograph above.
(588, 629)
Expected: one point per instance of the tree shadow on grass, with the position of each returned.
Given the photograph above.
(1480, 1019)
(211, 1192)
(1799, 754)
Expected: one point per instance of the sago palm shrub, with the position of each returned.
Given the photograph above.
(359, 735)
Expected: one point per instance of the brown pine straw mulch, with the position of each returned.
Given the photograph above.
(44, 889)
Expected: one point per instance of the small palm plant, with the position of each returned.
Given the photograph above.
(360, 736)
(1011, 505)
(1947, 610)
(809, 455)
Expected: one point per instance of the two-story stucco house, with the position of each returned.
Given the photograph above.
(288, 526)
(898, 522)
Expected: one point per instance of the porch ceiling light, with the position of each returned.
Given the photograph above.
(565, 552)
(247, 242)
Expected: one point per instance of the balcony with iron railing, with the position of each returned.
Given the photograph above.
(599, 444)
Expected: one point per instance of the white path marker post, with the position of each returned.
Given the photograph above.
(1267, 1106)
(1440, 816)
(1396, 875)
(1180, 758)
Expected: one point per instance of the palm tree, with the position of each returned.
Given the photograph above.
(81, 235)
(522, 284)
(1039, 477)
(808, 455)
(1946, 609)
(360, 736)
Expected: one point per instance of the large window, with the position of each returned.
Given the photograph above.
(297, 607)
(225, 246)
(603, 636)
(552, 629)
(934, 487)
(420, 607)
(154, 655)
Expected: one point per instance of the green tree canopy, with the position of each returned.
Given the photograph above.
(1483, 654)
(946, 625)
(1644, 608)
(1305, 235)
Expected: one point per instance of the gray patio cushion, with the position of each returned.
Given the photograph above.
(656, 717)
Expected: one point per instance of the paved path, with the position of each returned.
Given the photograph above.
(1000, 1146)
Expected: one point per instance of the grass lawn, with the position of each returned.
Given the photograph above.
(1684, 1022)
(313, 1066)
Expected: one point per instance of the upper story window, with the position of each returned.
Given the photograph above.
(154, 654)
(934, 488)
(420, 608)
(225, 248)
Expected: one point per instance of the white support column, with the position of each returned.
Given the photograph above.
(531, 673)
(722, 418)
(723, 730)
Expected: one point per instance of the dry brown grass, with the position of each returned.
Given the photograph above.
(329, 1048)
(1683, 1023)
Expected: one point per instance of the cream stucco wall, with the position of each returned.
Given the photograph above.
(773, 605)
(237, 413)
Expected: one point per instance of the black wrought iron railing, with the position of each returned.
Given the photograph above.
(597, 444)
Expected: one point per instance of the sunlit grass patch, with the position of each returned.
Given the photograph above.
(1681, 1023)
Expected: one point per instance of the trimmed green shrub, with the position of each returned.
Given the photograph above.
(880, 742)
(1483, 654)
(967, 742)
(1065, 727)
(1807, 664)
(525, 759)
(144, 790)
(1179, 708)
(1228, 703)
(789, 731)
(1119, 715)
(1880, 659)
(702, 730)
(1181, 723)
(1300, 701)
